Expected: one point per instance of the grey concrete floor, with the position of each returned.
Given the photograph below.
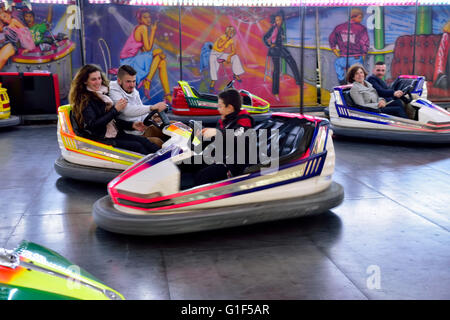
(389, 239)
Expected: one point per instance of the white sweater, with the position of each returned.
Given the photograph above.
(135, 110)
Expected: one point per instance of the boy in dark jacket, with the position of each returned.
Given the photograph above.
(232, 118)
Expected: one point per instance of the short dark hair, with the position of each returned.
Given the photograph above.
(126, 69)
(277, 14)
(233, 97)
(380, 63)
(28, 12)
(352, 71)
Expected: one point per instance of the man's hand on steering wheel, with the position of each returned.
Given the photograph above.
(160, 106)
(407, 96)
(157, 117)
(398, 94)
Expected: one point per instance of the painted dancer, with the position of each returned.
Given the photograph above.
(274, 40)
(139, 53)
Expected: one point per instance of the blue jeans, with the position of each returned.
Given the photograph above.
(341, 63)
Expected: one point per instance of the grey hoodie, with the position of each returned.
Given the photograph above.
(135, 110)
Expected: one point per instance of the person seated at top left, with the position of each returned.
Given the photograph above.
(98, 116)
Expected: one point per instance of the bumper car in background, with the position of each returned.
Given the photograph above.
(427, 123)
(33, 272)
(189, 104)
(153, 198)
(6, 119)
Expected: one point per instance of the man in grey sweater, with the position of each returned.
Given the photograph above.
(125, 88)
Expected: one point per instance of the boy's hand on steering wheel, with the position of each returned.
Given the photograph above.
(209, 132)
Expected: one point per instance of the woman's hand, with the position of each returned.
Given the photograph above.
(381, 103)
(139, 126)
(121, 104)
(336, 52)
(154, 26)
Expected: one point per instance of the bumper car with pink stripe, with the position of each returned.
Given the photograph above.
(292, 178)
(426, 122)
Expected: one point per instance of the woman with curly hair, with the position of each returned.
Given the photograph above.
(97, 115)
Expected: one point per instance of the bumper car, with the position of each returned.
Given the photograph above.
(153, 197)
(88, 160)
(188, 104)
(33, 272)
(85, 159)
(6, 119)
(427, 122)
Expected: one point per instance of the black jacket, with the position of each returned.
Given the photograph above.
(239, 122)
(96, 118)
(274, 51)
(382, 88)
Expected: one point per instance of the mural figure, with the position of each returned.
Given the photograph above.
(139, 53)
(274, 39)
(224, 51)
(39, 31)
(23, 34)
(7, 44)
(349, 42)
(442, 67)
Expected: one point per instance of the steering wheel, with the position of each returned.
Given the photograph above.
(163, 115)
(194, 125)
(230, 85)
(407, 96)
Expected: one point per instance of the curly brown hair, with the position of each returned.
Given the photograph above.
(352, 71)
(79, 96)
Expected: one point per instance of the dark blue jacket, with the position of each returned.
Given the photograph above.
(382, 89)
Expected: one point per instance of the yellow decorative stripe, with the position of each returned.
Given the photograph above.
(99, 156)
(69, 143)
(34, 61)
(37, 276)
(187, 89)
(62, 55)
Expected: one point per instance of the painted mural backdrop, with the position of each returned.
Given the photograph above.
(386, 34)
(40, 37)
(258, 48)
(146, 38)
(217, 45)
